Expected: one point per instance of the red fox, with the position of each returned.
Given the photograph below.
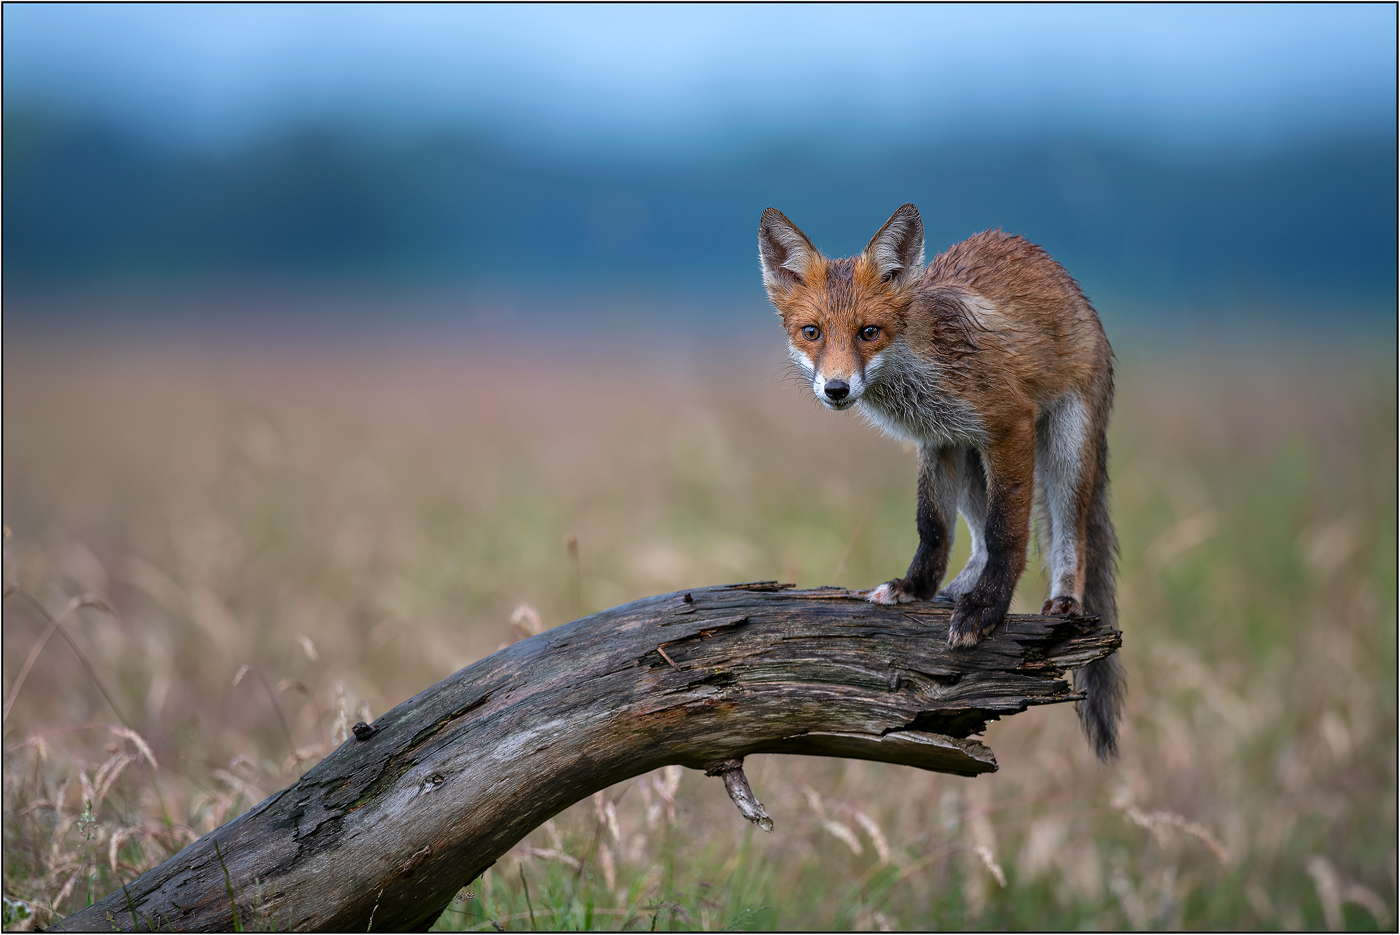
(995, 365)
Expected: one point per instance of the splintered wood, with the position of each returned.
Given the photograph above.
(412, 807)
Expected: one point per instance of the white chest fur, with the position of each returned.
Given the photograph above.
(905, 399)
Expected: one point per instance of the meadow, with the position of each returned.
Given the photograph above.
(217, 557)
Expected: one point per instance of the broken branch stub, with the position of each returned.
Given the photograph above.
(402, 815)
(737, 785)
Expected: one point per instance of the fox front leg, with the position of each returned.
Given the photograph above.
(1010, 467)
(972, 504)
(936, 519)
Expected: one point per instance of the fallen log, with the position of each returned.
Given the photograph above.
(385, 830)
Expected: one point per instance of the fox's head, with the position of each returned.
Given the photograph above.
(841, 315)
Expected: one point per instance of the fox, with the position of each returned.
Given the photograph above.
(993, 363)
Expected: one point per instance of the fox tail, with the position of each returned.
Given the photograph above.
(1101, 680)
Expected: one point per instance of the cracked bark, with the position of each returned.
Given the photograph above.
(396, 820)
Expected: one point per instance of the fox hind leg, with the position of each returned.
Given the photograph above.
(1065, 469)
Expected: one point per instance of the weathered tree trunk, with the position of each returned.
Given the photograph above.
(393, 823)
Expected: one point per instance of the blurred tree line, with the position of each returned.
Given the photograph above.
(87, 206)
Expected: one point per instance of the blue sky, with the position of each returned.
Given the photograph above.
(686, 79)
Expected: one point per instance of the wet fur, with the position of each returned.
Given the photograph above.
(994, 363)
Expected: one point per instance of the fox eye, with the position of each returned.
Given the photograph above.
(869, 332)
(811, 332)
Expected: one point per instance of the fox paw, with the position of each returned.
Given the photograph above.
(1066, 606)
(973, 619)
(891, 592)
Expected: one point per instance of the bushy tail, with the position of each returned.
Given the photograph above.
(1102, 679)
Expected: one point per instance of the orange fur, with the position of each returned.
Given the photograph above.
(992, 361)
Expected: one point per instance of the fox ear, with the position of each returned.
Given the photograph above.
(898, 249)
(784, 252)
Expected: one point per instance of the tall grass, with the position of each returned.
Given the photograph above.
(279, 544)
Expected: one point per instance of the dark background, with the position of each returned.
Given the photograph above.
(173, 166)
(1310, 225)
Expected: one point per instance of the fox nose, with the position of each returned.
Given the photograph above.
(837, 390)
